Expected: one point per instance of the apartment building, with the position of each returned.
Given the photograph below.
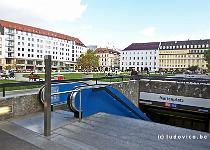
(139, 56)
(24, 47)
(179, 55)
(109, 59)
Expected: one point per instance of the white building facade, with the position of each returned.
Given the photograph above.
(139, 56)
(24, 48)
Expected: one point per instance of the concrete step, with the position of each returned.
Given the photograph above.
(94, 139)
(139, 129)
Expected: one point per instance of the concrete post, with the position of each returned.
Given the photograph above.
(47, 96)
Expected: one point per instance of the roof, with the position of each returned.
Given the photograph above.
(143, 46)
(40, 31)
(187, 42)
(106, 50)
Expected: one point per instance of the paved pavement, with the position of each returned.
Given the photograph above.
(101, 132)
(11, 142)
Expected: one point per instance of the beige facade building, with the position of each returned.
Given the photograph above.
(179, 55)
(109, 59)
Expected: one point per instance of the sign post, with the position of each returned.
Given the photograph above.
(47, 96)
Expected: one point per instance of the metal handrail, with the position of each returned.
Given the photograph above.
(41, 95)
(79, 89)
(176, 79)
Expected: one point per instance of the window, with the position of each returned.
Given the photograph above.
(22, 55)
(18, 37)
(22, 49)
(22, 38)
(18, 43)
(18, 54)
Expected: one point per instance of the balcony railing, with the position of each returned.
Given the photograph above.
(10, 39)
(10, 45)
(10, 55)
(10, 32)
(10, 49)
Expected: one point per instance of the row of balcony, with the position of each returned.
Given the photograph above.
(10, 44)
(10, 32)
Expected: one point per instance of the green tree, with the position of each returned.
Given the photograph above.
(88, 61)
(207, 58)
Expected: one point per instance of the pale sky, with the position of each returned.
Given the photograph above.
(117, 22)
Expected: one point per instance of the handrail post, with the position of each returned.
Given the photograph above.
(3, 91)
(47, 96)
(80, 105)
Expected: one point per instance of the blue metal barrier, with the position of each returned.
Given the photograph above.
(108, 100)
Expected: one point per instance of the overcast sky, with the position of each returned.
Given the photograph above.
(114, 22)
